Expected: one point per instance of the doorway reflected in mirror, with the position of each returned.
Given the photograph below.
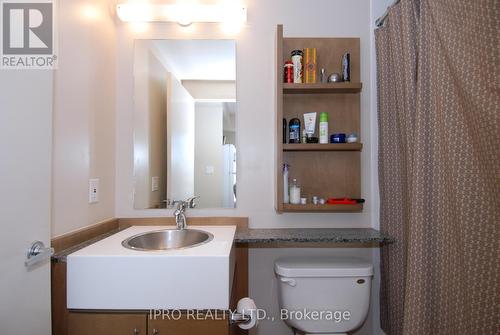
(185, 122)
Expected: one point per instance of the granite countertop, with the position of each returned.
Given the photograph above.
(60, 256)
(311, 235)
(284, 235)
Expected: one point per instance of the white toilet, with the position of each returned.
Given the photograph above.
(323, 295)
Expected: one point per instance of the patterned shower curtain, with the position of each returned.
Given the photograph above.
(438, 68)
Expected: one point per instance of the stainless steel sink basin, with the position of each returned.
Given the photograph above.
(167, 239)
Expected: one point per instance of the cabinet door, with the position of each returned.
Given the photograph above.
(188, 325)
(106, 324)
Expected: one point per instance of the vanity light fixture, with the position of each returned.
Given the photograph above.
(184, 14)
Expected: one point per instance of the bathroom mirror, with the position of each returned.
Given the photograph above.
(184, 122)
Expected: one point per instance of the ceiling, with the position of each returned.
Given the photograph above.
(200, 59)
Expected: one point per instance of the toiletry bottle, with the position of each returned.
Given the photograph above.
(346, 67)
(286, 195)
(310, 65)
(288, 72)
(323, 76)
(309, 124)
(304, 136)
(323, 128)
(284, 131)
(297, 60)
(294, 131)
(295, 193)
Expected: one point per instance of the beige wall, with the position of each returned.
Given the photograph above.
(255, 54)
(163, 128)
(181, 137)
(208, 152)
(255, 121)
(150, 137)
(84, 115)
(83, 122)
(157, 128)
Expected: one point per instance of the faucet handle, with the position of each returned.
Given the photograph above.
(190, 202)
(179, 204)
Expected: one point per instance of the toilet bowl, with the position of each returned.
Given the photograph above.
(323, 295)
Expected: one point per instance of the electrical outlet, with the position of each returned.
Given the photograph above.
(93, 191)
(155, 184)
(209, 169)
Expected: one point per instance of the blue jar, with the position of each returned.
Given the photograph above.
(337, 138)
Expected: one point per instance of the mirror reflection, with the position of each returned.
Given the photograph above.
(184, 122)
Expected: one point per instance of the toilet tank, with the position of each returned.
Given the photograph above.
(323, 294)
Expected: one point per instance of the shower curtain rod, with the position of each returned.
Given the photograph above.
(380, 21)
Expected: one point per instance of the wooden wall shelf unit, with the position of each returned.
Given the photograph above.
(346, 87)
(323, 147)
(322, 208)
(324, 170)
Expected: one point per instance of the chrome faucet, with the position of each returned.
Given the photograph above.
(179, 213)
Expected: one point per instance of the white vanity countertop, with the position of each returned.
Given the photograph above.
(112, 245)
(107, 276)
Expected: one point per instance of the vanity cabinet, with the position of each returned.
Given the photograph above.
(188, 326)
(82, 323)
(109, 323)
(101, 321)
(324, 170)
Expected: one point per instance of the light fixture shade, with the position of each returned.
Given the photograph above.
(183, 14)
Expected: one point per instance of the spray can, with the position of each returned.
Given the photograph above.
(323, 128)
(294, 131)
(297, 60)
(286, 194)
(346, 67)
(284, 130)
(288, 72)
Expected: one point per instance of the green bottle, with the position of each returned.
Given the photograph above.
(323, 128)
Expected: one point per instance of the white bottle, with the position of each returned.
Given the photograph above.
(323, 128)
(286, 194)
(295, 193)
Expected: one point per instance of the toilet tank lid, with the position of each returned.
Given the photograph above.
(322, 267)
